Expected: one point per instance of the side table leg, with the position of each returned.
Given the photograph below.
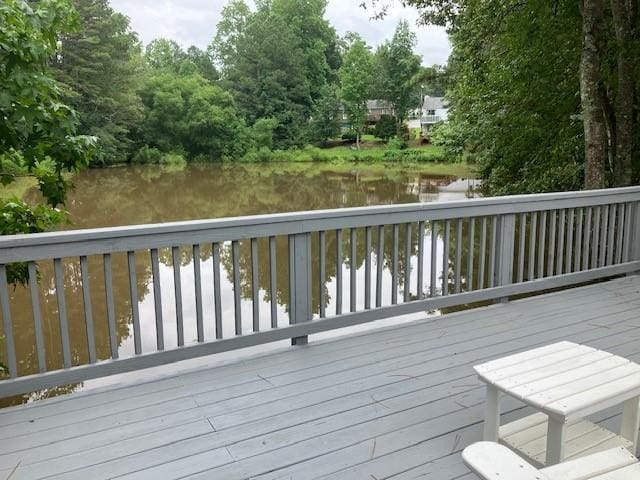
(556, 433)
(631, 422)
(492, 414)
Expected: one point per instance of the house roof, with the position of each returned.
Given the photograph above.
(434, 103)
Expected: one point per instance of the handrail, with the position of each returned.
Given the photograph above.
(414, 257)
(14, 248)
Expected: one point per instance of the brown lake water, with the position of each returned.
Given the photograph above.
(137, 195)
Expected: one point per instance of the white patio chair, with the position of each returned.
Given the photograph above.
(492, 461)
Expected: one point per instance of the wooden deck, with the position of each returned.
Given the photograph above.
(399, 403)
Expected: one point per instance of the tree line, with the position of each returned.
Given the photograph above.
(78, 89)
(274, 77)
(544, 92)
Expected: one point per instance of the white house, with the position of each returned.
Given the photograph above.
(434, 110)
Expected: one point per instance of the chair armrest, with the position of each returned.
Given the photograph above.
(492, 461)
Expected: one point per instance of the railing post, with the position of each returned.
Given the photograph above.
(301, 272)
(504, 254)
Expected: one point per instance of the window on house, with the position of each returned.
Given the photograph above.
(431, 112)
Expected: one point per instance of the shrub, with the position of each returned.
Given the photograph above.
(397, 143)
(415, 155)
(349, 135)
(147, 155)
(385, 128)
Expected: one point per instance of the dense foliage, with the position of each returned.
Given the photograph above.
(38, 134)
(100, 64)
(356, 83)
(188, 114)
(276, 61)
(544, 94)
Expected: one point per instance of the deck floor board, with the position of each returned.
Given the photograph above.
(399, 402)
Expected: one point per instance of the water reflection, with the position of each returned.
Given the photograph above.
(147, 195)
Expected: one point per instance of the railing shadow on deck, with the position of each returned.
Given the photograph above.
(490, 249)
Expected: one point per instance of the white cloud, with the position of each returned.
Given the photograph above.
(193, 22)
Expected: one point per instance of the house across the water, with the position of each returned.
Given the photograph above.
(434, 110)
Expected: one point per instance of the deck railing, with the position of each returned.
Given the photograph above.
(438, 255)
(428, 119)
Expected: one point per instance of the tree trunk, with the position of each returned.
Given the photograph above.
(624, 15)
(358, 139)
(590, 95)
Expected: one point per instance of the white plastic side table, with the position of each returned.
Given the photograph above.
(565, 383)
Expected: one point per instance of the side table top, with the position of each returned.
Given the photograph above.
(564, 379)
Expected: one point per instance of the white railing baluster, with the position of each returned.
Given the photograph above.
(338, 271)
(522, 237)
(88, 311)
(578, 248)
(552, 248)
(612, 226)
(157, 298)
(379, 265)
(407, 263)
(596, 237)
(7, 324)
(37, 316)
(586, 249)
(394, 264)
(217, 296)
(472, 247)
(273, 280)
(445, 257)
(135, 311)
(533, 231)
(434, 258)
(197, 278)
(620, 231)
(603, 235)
(458, 265)
(560, 253)
(367, 268)
(255, 285)
(353, 241)
(570, 234)
(177, 288)
(237, 304)
(420, 286)
(493, 251)
(111, 315)
(541, 244)
(322, 271)
(482, 253)
(62, 312)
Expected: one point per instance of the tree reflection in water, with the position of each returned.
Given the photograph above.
(137, 195)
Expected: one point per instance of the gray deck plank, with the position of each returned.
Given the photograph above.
(229, 412)
(280, 362)
(190, 384)
(392, 402)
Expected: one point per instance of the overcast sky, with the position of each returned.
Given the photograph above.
(193, 22)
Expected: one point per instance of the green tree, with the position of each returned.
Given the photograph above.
(325, 122)
(565, 122)
(166, 55)
(276, 60)
(262, 132)
(100, 64)
(385, 128)
(38, 136)
(356, 83)
(397, 73)
(188, 114)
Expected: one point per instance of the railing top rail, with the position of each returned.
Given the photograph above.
(15, 247)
